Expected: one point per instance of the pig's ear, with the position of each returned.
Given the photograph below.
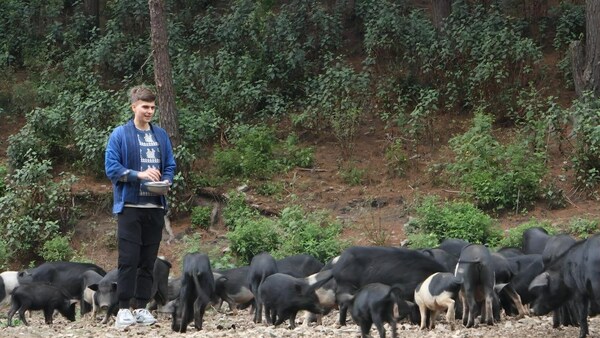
(93, 287)
(540, 281)
(396, 291)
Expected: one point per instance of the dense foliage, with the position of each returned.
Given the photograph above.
(436, 220)
(497, 176)
(295, 231)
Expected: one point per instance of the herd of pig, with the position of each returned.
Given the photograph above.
(548, 273)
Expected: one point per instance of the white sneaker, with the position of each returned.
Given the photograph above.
(124, 319)
(143, 317)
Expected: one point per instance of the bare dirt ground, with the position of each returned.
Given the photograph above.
(222, 325)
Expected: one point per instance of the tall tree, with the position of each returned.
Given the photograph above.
(586, 59)
(91, 8)
(163, 76)
(440, 10)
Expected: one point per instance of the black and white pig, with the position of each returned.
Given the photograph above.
(283, 296)
(377, 303)
(197, 291)
(231, 287)
(41, 296)
(87, 299)
(8, 282)
(437, 293)
(358, 266)
(326, 294)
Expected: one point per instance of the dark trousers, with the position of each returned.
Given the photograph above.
(139, 232)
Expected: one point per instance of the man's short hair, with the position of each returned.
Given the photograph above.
(141, 93)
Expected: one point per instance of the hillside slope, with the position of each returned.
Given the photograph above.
(373, 212)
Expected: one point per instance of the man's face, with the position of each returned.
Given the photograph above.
(143, 111)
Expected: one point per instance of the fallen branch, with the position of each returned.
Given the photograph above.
(454, 191)
(312, 169)
(571, 202)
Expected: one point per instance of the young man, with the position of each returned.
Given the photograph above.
(138, 152)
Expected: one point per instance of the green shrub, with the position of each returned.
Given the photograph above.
(191, 243)
(25, 146)
(582, 227)
(35, 207)
(236, 211)
(221, 260)
(257, 153)
(422, 240)
(482, 56)
(294, 232)
(586, 159)
(313, 233)
(57, 249)
(93, 114)
(200, 217)
(514, 236)
(352, 175)
(270, 189)
(23, 97)
(251, 154)
(496, 176)
(253, 236)
(292, 155)
(336, 99)
(3, 177)
(178, 196)
(5, 256)
(395, 158)
(570, 24)
(454, 220)
(568, 21)
(554, 196)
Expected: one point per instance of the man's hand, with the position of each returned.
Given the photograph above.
(149, 174)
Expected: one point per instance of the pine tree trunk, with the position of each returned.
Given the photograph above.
(92, 8)
(441, 10)
(585, 60)
(591, 72)
(163, 76)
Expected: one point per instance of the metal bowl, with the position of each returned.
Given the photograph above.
(160, 188)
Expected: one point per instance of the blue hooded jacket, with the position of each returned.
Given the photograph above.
(123, 153)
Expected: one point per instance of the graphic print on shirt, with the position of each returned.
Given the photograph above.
(149, 155)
